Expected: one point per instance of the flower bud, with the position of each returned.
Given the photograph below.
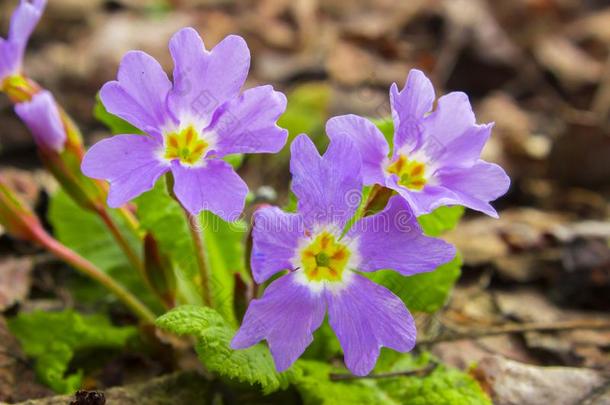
(15, 216)
(60, 147)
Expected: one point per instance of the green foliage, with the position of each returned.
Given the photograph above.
(441, 220)
(115, 124)
(225, 250)
(85, 233)
(425, 292)
(253, 366)
(386, 126)
(163, 217)
(316, 388)
(443, 386)
(52, 339)
(306, 112)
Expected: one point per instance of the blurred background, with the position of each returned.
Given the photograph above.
(539, 69)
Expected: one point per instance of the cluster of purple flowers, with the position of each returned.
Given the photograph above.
(189, 126)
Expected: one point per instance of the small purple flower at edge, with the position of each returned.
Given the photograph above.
(12, 49)
(436, 156)
(324, 263)
(189, 125)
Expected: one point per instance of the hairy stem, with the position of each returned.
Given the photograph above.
(90, 270)
(123, 243)
(194, 228)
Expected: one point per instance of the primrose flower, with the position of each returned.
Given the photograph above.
(436, 156)
(12, 49)
(189, 126)
(41, 116)
(323, 263)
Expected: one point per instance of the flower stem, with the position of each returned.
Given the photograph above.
(130, 220)
(132, 256)
(90, 270)
(196, 235)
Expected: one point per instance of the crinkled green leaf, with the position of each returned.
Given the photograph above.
(52, 339)
(316, 388)
(253, 366)
(443, 386)
(441, 220)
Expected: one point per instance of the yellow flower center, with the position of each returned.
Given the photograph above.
(185, 145)
(411, 173)
(18, 88)
(325, 259)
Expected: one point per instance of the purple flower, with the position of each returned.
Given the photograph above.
(323, 263)
(41, 116)
(436, 157)
(190, 125)
(12, 49)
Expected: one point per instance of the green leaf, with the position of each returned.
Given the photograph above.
(52, 339)
(85, 233)
(386, 126)
(425, 292)
(115, 124)
(443, 386)
(225, 249)
(316, 388)
(253, 366)
(306, 113)
(163, 217)
(441, 220)
(307, 109)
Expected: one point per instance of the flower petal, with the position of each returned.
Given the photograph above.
(214, 187)
(286, 316)
(24, 20)
(452, 119)
(366, 316)
(41, 116)
(10, 58)
(139, 94)
(409, 107)
(128, 162)
(393, 239)
(427, 200)
(248, 124)
(328, 188)
(204, 80)
(465, 150)
(477, 185)
(275, 237)
(368, 139)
